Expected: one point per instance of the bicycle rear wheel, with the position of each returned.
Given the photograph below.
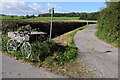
(26, 49)
(11, 45)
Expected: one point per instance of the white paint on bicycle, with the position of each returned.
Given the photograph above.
(20, 40)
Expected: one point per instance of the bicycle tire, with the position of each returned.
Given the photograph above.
(11, 45)
(26, 49)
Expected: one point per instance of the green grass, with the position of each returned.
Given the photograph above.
(55, 18)
(40, 18)
(58, 18)
(9, 17)
(45, 18)
(107, 36)
(70, 42)
(110, 40)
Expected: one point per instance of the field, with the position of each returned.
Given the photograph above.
(10, 17)
(39, 18)
(55, 18)
(44, 18)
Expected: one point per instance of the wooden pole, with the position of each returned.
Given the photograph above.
(51, 23)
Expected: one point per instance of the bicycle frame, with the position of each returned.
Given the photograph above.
(19, 42)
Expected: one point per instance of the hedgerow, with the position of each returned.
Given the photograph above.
(108, 24)
(59, 27)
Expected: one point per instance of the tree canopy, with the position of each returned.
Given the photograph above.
(83, 16)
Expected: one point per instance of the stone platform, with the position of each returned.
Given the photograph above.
(34, 36)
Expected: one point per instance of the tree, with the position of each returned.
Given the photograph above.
(40, 15)
(32, 16)
(85, 16)
(27, 16)
(12, 17)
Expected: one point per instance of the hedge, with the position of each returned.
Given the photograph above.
(59, 27)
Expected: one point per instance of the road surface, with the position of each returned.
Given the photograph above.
(101, 57)
(16, 69)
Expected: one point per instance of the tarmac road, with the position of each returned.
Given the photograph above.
(100, 56)
(16, 69)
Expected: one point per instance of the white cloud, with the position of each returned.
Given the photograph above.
(38, 8)
(57, 8)
(53, 6)
(63, 0)
(15, 7)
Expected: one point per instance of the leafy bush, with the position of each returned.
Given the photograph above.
(108, 24)
(46, 48)
(27, 27)
(4, 42)
(41, 50)
(8, 26)
(89, 16)
(69, 54)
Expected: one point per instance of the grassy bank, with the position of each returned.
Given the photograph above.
(108, 24)
(111, 40)
(67, 38)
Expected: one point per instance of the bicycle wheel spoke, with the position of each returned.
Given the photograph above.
(26, 49)
(11, 45)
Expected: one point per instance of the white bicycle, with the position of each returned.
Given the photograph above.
(20, 41)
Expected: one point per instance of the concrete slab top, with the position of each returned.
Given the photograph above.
(38, 33)
(12, 35)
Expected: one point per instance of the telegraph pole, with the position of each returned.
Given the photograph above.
(87, 22)
(51, 12)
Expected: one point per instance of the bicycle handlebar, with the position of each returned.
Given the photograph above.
(24, 32)
(15, 33)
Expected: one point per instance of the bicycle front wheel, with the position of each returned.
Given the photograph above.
(26, 49)
(11, 45)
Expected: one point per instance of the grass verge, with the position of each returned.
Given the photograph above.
(67, 38)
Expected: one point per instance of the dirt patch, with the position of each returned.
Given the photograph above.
(62, 40)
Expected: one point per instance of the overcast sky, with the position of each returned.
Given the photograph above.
(16, 7)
